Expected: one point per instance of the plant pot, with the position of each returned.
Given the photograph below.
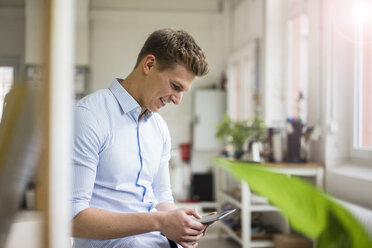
(238, 154)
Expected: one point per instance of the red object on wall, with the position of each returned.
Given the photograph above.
(185, 151)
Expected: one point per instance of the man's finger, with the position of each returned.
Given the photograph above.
(191, 239)
(192, 212)
(187, 244)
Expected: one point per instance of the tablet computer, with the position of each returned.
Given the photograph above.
(212, 218)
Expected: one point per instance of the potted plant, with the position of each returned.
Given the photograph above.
(237, 133)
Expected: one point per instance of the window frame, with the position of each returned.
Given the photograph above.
(243, 86)
(359, 155)
(303, 66)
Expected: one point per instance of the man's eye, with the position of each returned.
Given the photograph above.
(175, 87)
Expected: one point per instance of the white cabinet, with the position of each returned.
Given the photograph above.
(209, 107)
(250, 203)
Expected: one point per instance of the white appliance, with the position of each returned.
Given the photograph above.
(209, 106)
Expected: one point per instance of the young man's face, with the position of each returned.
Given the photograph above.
(167, 86)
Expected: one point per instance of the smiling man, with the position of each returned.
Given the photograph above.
(121, 193)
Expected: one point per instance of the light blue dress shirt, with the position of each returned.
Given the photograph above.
(120, 164)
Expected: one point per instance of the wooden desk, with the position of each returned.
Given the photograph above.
(300, 169)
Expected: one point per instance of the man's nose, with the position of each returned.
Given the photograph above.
(177, 97)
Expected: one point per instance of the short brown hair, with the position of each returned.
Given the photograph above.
(171, 47)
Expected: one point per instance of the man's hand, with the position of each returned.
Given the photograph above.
(207, 225)
(177, 225)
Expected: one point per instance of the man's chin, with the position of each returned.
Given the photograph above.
(155, 110)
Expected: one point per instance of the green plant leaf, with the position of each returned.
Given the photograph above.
(224, 127)
(236, 133)
(309, 210)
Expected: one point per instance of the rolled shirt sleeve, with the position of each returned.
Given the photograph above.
(86, 148)
(161, 184)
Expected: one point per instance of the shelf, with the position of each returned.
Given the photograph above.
(258, 200)
(230, 199)
(253, 243)
(264, 208)
(230, 232)
(254, 208)
(262, 243)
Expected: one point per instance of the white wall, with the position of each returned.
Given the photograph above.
(82, 28)
(35, 32)
(12, 33)
(247, 22)
(117, 37)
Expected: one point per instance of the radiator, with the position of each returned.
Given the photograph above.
(363, 215)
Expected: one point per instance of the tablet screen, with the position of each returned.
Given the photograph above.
(211, 218)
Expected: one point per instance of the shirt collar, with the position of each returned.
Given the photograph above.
(126, 101)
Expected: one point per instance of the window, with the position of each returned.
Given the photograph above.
(243, 87)
(297, 48)
(363, 82)
(6, 82)
(237, 80)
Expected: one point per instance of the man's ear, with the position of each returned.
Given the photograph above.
(148, 63)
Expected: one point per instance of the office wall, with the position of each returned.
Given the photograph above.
(117, 36)
(247, 22)
(12, 33)
(34, 33)
(35, 27)
(82, 43)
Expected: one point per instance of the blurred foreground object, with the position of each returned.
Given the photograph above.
(307, 208)
(19, 151)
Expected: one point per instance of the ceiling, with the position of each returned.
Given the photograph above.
(158, 5)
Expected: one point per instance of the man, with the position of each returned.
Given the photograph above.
(121, 191)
